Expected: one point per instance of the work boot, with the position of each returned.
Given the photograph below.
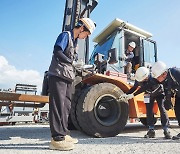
(150, 134)
(61, 145)
(167, 134)
(177, 137)
(71, 139)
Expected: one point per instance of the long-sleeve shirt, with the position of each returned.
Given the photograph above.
(129, 55)
(61, 45)
(172, 82)
(151, 86)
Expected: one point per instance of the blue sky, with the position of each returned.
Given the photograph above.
(29, 28)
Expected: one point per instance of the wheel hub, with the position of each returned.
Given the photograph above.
(107, 110)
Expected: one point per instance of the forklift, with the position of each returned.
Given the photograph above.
(96, 109)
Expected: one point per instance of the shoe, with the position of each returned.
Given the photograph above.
(167, 134)
(71, 139)
(177, 137)
(150, 134)
(61, 145)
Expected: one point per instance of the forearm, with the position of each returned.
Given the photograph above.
(168, 90)
(139, 91)
(61, 56)
(142, 89)
(134, 88)
(130, 56)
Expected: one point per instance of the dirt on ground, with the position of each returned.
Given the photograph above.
(35, 138)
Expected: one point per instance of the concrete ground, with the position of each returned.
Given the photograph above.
(35, 138)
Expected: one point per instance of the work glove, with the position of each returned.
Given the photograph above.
(130, 96)
(123, 97)
(123, 57)
(168, 104)
(78, 64)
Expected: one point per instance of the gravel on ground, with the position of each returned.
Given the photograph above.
(35, 138)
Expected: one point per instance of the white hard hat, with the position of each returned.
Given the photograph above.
(141, 74)
(158, 68)
(89, 24)
(132, 44)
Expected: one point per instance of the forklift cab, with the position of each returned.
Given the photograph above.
(113, 42)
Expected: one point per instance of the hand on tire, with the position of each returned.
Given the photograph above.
(125, 97)
(130, 96)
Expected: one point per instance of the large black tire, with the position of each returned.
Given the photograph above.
(144, 121)
(99, 113)
(73, 123)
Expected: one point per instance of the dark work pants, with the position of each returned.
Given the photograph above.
(60, 93)
(150, 113)
(177, 108)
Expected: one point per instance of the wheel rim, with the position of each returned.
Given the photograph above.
(107, 110)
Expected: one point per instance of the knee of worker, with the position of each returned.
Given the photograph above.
(128, 68)
(161, 107)
(149, 110)
(68, 104)
(129, 65)
(164, 114)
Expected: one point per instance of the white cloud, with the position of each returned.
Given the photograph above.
(10, 76)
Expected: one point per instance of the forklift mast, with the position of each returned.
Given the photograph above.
(74, 10)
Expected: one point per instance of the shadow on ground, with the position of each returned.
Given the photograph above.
(38, 137)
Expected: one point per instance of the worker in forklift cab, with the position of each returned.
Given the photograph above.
(61, 76)
(128, 57)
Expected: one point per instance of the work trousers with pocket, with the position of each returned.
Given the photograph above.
(177, 108)
(163, 113)
(60, 94)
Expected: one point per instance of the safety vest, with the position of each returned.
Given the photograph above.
(64, 70)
